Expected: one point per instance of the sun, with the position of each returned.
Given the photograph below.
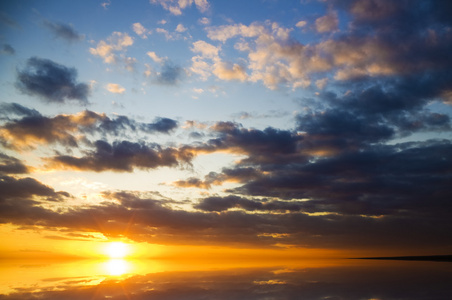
(117, 250)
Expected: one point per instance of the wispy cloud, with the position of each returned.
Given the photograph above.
(169, 74)
(7, 49)
(115, 88)
(175, 7)
(140, 30)
(63, 31)
(8, 21)
(155, 57)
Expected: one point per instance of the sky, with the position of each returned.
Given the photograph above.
(304, 126)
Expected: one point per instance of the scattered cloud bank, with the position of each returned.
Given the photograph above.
(340, 177)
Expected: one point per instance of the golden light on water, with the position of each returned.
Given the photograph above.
(117, 267)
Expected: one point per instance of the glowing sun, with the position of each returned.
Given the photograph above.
(117, 250)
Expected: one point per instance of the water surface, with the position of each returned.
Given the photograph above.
(185, 279)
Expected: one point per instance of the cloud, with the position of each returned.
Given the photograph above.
(63, 31)
(143, 218)
(162, 125)
(115, 88)
(12, 165)
(106, 4)
(225, 203)
(376, 182)
(122, 156)
(204, 21)
(175, 7)
(236, 174)
(7, 49)
(321, 83)
(51, 82)
(175, 35)
(340, 178)
(273, 58)
(34, 129)
(226, 72)
(192, 182)
(200, 63)
(17, 109)
(6, 19)
(170, 74)
(301, 23)
(276, 59)
(113, 50)
(223, 70)
(155, 57)
(25, 192)
(262, 145)
(140, 30)
(327, 23)
(181, 28)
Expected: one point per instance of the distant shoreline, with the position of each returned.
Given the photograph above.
(439, 258)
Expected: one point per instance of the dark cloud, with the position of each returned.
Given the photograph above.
(383, 14)
(225, 203)
(163, 125)
(192, 182)
(393, 107)
(64, 31)
(11, 165)
(24, 192)
(66, 129)
(170, 74)
(17, 109)
(265, 145)
(51, 81)
(7, 49)
(227, 175)
(36, 129)
(391, 31)
(122, 156)
(6, 19)
(406, 179)
(146, 219)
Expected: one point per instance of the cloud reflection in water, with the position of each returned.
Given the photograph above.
(349, 280)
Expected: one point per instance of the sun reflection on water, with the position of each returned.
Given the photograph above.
(117, 267)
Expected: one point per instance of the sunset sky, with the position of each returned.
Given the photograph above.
(305, 126)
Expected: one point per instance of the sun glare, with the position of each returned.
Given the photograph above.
(117, 250)
(117, 267)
